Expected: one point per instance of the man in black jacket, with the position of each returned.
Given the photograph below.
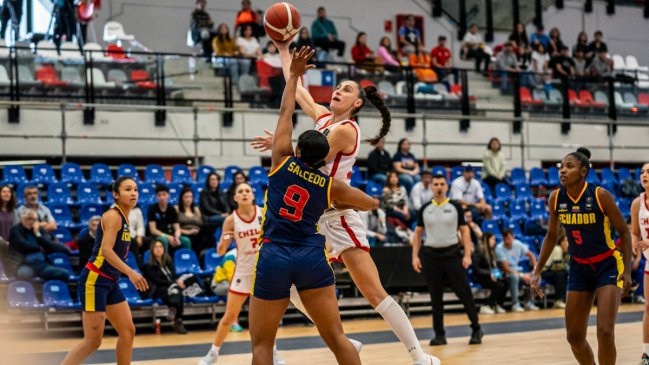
(33, 243)
(379, 163)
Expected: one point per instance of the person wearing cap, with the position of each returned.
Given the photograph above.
(422, 192)
(468, 192)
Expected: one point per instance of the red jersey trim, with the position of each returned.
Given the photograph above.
(253, 217)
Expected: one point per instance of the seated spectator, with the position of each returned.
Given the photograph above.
(213, 203)
(164, 284)
(86, 242)
(325, 35)
(581, 45)
(596, 46)
(388, 55)
(524, 58)
(375, 225)
(520, 39)
(487, 274)
(394, 201)
(441, 60)
(406, 165)
(506, 63)
(190, 220)
(474, 228)
(556, 43)
(539, 37)
(508, 253)
(420, 62)
(258, 29)
(422, 192)
(238, 178)
(563, 64)
(31, 240)
(364, 57)
(410, 37)
(249, 46)
(245, 17)
(138, 231)
(601, 66)
(467, 191)
(493, 164)
(555, 270)
(304, 40)
(7, 220)
(225, 48)
(379, 163)
(271, 56)
(541, 64)
(45, 217)
(202, 28)
(580, 64)
(163, 222)
(473, 47)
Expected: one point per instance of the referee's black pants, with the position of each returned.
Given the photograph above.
(444, 266)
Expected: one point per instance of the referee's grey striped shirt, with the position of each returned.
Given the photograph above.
(441, 223)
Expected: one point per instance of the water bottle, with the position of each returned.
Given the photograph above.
(157, 326)
(191, 61)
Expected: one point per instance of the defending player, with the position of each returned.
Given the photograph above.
(640, 239)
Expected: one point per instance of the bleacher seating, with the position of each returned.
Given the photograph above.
(71, 173)
(211, 260)
(57, 296)
(185, 261)
(43, 174)
(62, 235)
(229, 172)
(537, 177)
(498, 211)
(132, 296)
(131, 261)
(14, 175)
(62, 261)
(128, 170)
(358, 179)
(59, 193)
(88, 193)
(100, 174)
(518, 176)
(23, 296)
(174, 192)
(181, 174)
(257, 175)
(146, 194)
(154, 174)
(63, 217)
(88, 211)
(503, 192)
(202, 172)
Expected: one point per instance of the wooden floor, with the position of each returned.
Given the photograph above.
(540, 346)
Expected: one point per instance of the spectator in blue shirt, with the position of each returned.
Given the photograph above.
(540, 37)
(410, 37)
(325, 35)
(508, 253)
(405, 164)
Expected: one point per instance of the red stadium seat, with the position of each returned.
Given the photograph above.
(142, 80)
(643, 99)
(587, 98)
(456, 89)
(574, 100)
(116, 52)
(365, 83)
(47, 76)
(526, 97)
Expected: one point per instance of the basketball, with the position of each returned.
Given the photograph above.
(282, 21)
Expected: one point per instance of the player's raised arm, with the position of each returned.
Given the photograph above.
(347, 197)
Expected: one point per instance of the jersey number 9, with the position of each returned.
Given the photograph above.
(296, 197)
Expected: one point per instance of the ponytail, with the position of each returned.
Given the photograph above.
(371, 94)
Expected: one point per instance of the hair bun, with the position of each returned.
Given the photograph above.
(585, 151)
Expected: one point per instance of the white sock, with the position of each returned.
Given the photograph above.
(392, 312)
(215, 349)
(297, 302)
(645, 348)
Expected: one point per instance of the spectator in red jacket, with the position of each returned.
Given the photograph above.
(441, 60)
(364, 57)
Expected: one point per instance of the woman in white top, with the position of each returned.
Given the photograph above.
(248, 47)
(640, 240)
(540, 60)
(493, 164)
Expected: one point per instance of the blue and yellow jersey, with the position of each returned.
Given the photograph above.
(587, 227)
(97, 262)
(297, 196)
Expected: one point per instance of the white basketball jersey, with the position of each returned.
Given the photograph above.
(246, 234)
(340, 167)
(643, 218)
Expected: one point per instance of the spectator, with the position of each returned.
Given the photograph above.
(45, 217)
(375, 225)
(394, 201)
(601, 66)
(202, 27)
(259, 29)
(540, 64)
(524, 59)
(245, 17)
(238, 178)
(581, 45)
(7, 220)
(493, 164)
(420, 62)
(563, 64)
(539, 37)
(445, 257)
(509, 253)
(410, 37)
(474, 228)
(556, 44)
(555, 270)
(487, 274)
(406, 165)
(507, 63)
(325, 35)
(473, 47)
(163, 221)
(580, 64)
(249, 46)
(388, 55)
(441, 60)
(304, 40)
(364, 57)
(12, 12)
(422, 192)
(597, 46)
(468, 192)
(379, 163)
(271, 56)
(190, 220)
(165, 284)
(520, 39)
(225, 48)
(32, 242)
(87, 242)
(138, 230)
(213, 203)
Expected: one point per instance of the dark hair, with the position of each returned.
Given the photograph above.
(207, 180)
(437, 176)
(400, 143)
(599, 33)
(114, 187)
(473, 25)
(243, 30)
(314, 148)
(161, 188)
(427, 172)
(508, 232)
(540, 27)
(579, 36)
(491, 141)
(320, 8)
(387, 179)
(181, 205)
(484, 245)
(13, 202)
(220, 36)
(358, 37)
(441, 38)
(410, 16)
(371, 94)
(166, 259)
(564, 48)
(583, 156)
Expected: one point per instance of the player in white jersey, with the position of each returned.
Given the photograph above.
(640, 239)
(344, 230)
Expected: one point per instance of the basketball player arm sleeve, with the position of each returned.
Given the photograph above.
(550, 239)
(617, 220)
(347, 197)
(227, 236)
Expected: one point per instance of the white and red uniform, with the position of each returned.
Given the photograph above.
(643, 222)
(246, 234)
(342, 228)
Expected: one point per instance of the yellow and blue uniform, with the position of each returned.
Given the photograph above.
(98, 285)
(595, 261)
(291, 249)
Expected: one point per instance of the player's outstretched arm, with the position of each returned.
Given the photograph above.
(227, 236)
(347, 197)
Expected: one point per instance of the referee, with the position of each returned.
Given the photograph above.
(442, 258)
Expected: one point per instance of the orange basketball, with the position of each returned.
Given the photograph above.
(282, 21)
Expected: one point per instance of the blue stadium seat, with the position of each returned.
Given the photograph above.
(211, 260)
(608, 177)
(486, 191)
(56, 295)
(537, 177)
(373, 189)
(490, 225)
(202, 172)
(624, 173)
(553, 176)
(229, 172)
(477, 171)
(503, 192)
(127, 169)
(206, 300)
(88, 211)
(258, 191)
(146, 195)
(440, 170)
(62, 261)
(181, 174)
(3, 275)
(498, 211)
(456, 171)
(88, 193)
(538, 209)
(517, 210)
(197, 188)
(154, 174)
(514, 225)
(43, 174)
(22, 296)
(146, 257)
(625, 207)
(174, 192)
(224, 185)
(518, 176)
(523, 192)
(59, 193)
(185, 261)
(131, 261)
(71, 173)
(62, 216)
(62, 235)
(592, 177)
(132, 296)
(259, 176)
(636, 173)
(14, 175)
(358, 179)
(100, 174)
